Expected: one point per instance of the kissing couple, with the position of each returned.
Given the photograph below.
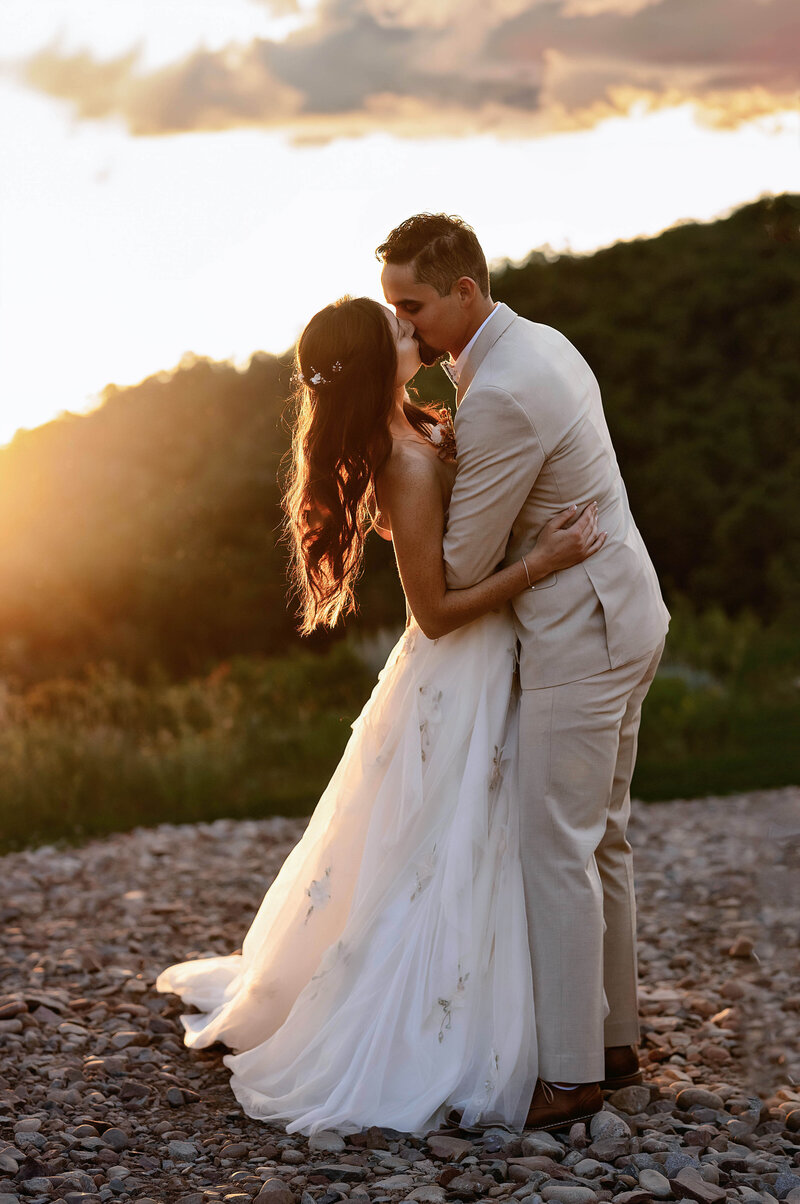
(453, 939)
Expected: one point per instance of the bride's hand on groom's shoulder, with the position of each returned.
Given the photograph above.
(570, 537)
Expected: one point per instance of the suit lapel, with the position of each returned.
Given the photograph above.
(501, 320)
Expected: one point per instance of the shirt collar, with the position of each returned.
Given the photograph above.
(454, 368)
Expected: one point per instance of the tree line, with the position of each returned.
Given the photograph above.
(146, 533)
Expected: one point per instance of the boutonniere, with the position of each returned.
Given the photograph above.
(443, 435)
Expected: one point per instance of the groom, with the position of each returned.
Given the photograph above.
(532, 438)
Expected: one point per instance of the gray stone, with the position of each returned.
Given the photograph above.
(291, 1157)
(396, 1183)
(182, 1151)
(577, 1136)
(235, 1149)
(448, 1148)
(540, 1142)
(350, 1174)
(7, 1198)
(606, 1124)
(645, 1162)
(275, 1191)
(589, 1168)
(698, 1097)
(689, 1182)
(676, 1162)
(327, 1141)
(608, 1149)
(116, 1140)
(632, 1099)
(27, 1140)
(566, 1193)
(785, 1183)
(35, 1187)
(655, 1183)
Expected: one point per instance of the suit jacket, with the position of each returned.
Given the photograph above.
(532, 438)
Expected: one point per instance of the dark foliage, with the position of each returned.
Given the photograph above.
(146, 533)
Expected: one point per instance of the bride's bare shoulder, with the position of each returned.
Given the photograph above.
(408, 479)
(410, 465)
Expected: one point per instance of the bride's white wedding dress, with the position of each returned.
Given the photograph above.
(386, 977)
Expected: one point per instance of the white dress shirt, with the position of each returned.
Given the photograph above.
(455, 368)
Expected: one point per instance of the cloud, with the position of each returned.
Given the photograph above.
(430, 68)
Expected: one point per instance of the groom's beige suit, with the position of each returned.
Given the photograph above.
(532, 438)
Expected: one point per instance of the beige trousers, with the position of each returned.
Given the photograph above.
(577, 753)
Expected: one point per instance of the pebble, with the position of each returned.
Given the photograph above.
(678, 1161)
(184, 1151)
(116, 1140)
(330, 1142)
(655, 1183)
(566, 1194)
(541, 1142)
(605, 1124)
(693, 1097)
(100, 1100)
(631, 1099)
(448, 1148)
(274, 1192)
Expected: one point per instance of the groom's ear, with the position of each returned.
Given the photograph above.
(466, 290)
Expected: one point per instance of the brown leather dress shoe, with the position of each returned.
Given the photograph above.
(554, 1108)
(622, 1067)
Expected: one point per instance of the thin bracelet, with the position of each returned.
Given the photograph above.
(527, 574)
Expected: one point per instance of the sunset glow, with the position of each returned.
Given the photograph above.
(121, 251)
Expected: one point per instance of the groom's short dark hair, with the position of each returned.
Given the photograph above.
(442, 249)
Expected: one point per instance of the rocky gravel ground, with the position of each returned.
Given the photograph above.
(100, 1100)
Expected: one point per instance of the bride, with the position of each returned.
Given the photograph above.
(386, 977)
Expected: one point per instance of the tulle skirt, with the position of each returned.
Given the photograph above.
(386, 977)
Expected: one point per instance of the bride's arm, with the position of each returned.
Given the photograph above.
(411, 500)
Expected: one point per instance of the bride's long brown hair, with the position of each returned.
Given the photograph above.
(346, 365)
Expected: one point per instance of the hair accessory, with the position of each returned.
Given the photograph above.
(317, 378)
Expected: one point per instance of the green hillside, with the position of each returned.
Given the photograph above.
(140, 550)
(146, 531)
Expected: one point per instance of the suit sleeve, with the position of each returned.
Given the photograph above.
(499, 458)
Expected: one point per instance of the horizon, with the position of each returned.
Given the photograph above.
(242, 364)
(183, 180)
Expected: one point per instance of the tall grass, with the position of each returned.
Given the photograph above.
(80, 758)
(723, 714)
(256, 737)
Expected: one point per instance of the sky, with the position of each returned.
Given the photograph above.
(200, 176)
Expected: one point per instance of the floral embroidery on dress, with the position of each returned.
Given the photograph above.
(424, 872)
(496, 775)
(319, 892)
(448, 1006)
(494, 1069)
(329, 960)
(489, 1083)
(430, 714)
